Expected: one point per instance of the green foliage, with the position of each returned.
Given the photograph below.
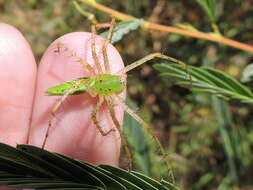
(143, 147)
(225, 125)
(122, 29)
(137, 139)
(209, 7)
(193, 133)
(206, 79)
(247, 74)
(222, 85)
(32, 167)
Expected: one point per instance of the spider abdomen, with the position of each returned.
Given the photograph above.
(106, 84)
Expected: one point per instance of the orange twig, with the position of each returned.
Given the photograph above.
(183, 32)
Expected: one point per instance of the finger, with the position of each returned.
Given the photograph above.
(17, 80)
(73, 132)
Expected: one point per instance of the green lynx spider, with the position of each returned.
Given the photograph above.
(106, 86)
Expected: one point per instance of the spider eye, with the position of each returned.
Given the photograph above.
(122, 78)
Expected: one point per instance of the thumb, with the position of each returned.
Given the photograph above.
(73, 132)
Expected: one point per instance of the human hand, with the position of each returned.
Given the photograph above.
(25, 110)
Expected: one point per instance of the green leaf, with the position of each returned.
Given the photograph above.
(150, 180)
(247, 74)
(122, 29)
(137, 139)
(209, 7)
(225, 124)
(206, 79)
(31, 167)
(169, 185)
(145, 184)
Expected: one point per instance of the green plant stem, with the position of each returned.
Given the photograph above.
(225, 126)
(216, 28)
(183, 32)
(89, 15)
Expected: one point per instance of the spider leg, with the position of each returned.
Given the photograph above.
(122, 136)
(148, 58)
(53, 110)
(120, 102)
(93, 49)
(86, 66)
(104, 48)
(94, 117)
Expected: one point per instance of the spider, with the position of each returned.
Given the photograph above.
(106, 86)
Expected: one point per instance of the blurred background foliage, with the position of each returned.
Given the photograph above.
(209, 141)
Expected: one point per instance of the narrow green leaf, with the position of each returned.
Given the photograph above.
(21, 168)
(122, 29)
(224, 122)
(106, 179)
(150, 180)
(7, 165)
(230, 81)
(169, 185)
(128, 184)
(17, 157)
(206, 79)
(247, 74)
(209, 7)
(77, 172)
(43, 184)
(136, 180)
(138, 141)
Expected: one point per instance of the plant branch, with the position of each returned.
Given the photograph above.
(183, 32)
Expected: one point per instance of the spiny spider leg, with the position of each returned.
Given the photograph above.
(108, 99)
(93, 49)
(122, 136)
(59, 103)
(94, 116)
(47, 133)
(79, 59)
(53, 110)
(120, 102)
(104, 48)
(148, 58)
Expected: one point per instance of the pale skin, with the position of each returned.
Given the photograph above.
(22, 122)
(104, 85)
(73, 132)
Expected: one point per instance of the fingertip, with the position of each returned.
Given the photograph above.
(17, 81)
(73, 132)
